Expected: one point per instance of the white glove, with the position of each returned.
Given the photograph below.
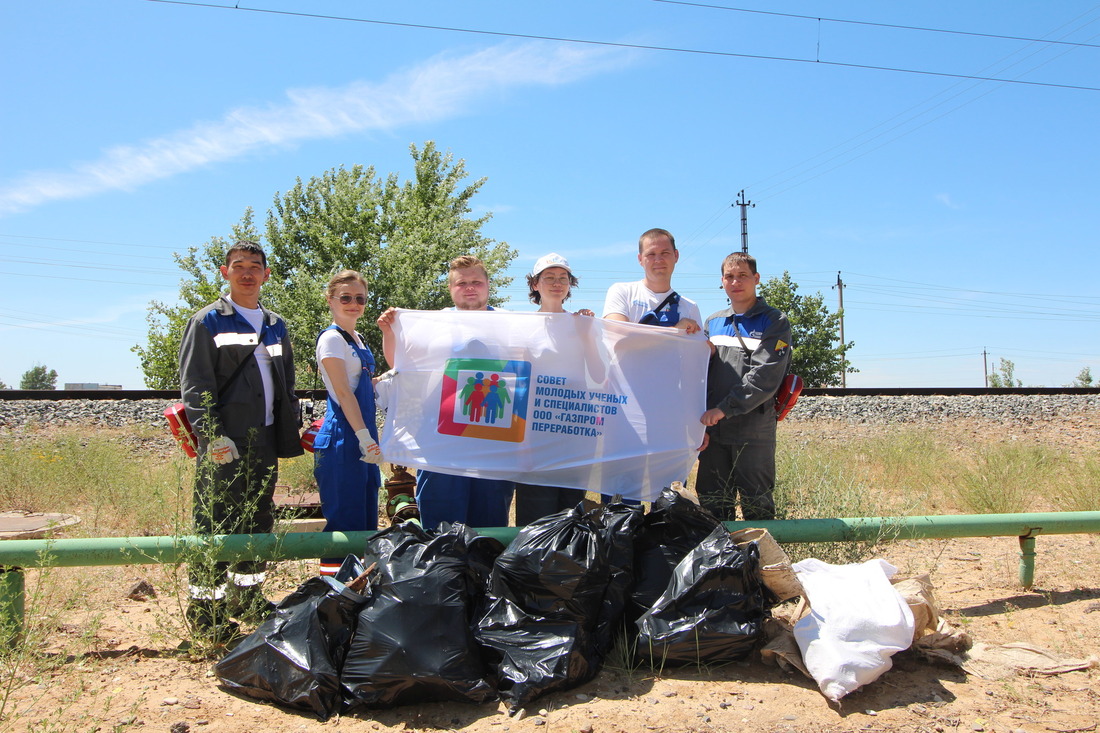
(367, 445)
(222, 450)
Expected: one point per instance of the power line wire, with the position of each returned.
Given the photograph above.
(634, 46)
(881, 25)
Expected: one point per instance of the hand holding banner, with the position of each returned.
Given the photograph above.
(546, 398)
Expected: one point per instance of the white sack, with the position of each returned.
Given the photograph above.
(857, 621)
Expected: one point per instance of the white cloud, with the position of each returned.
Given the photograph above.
(442, 87)
(945, 199)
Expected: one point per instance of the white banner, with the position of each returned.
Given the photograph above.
(547, 399)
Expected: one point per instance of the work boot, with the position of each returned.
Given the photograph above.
(247, 603)
(210, 620)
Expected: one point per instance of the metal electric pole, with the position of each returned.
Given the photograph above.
(843, 348)
(745, 205)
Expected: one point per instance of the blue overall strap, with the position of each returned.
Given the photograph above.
(364, 388)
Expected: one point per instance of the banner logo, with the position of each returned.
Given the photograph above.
(485, 398)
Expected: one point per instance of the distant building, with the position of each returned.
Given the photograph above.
(91, 385)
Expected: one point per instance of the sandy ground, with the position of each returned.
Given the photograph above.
(113, 665)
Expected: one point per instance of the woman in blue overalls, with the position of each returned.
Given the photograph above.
(346, 447)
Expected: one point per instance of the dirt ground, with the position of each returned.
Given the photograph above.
(113, 664)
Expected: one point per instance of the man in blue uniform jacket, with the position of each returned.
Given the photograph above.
(751, 353)
(237, 381)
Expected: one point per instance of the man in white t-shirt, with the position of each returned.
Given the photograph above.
(652, 300)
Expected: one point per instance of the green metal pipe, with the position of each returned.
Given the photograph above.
(1027, 562)
(149, 550)
(18, 554)
(12, 598)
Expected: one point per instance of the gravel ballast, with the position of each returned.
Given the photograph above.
(858, 409)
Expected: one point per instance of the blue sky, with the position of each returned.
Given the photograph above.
(960, 213)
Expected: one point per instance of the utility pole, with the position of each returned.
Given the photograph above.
(745, 205)
(985, 367)
(840, 295)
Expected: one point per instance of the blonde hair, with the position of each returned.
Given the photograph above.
(464, 262)
(344, 277)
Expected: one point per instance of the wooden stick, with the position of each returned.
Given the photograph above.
(361, 582)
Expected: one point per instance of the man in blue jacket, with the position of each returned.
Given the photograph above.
(751, 353)
(237, 381)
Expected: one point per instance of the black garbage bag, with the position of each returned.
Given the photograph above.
(713, 609)
(674, 526)
(294, 657)
(545, 598)
(414, 640)
(620, 524)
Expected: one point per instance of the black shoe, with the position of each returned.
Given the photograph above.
(210, 620)
(248, 604)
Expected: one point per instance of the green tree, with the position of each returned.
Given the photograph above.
(39, 377)
(818, 357)
(401, 236)
(3, 385)
(1006, 377)
(203, 284)
(1083, 378)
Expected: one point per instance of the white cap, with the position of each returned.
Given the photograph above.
(551, 260)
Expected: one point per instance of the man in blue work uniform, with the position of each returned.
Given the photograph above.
(237, 381)
(751, 344)
(441, 497)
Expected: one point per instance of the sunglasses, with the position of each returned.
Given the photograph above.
(345, 299)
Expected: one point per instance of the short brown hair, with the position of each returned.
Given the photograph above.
(464, 262)
(343, 277)
(244, 245)
(737, 257)
(650, 234)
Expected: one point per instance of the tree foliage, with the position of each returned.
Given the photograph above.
(202, 285)
(1084, 378)
(818, 356)
(401, 236)
(39, 377)
(1005, 376)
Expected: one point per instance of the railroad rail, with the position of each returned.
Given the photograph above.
(168, 394)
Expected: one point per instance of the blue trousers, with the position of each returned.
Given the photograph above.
(348, 486)
(475, 502)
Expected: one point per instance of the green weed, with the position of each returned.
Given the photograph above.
(1004, 479)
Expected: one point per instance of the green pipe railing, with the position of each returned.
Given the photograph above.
(15, 555)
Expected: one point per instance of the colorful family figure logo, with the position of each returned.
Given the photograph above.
(483, 399)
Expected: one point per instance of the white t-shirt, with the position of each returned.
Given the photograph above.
(331, 345)
(255, 318)
(634, 300)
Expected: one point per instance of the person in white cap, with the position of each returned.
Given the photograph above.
(550, 283)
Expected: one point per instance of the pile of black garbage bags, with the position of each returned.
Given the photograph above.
(455, 616)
